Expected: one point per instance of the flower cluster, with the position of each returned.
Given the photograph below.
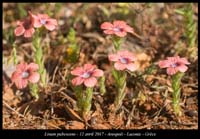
(88, 74)
(27, 25)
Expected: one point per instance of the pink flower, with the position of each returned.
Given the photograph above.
(174, 64)
(119, 28)
(44, 20)
(25, 27)
(87, 75)
(123, 60)
(25, 73)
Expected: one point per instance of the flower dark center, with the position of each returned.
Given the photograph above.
(86, 74)
(118, 29)
(25, 74)
(27, 24)
(43, 21)
(173, 65)
(123, 60)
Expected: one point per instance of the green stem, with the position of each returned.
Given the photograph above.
(176, 80)
(34, 90)
(14, 53)
(79, 96)
(39, 57)
(117, 41)
(121, 86)
(83, 100)
(87, 101)
(102, 85)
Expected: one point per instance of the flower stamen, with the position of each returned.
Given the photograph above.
(86, 75)
(123, 60)
(25, 74)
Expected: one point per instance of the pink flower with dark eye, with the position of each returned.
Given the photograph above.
(123, 60)
(25, 27)
(174, 64)
(87, 75)
(119, 28)
(25, 73)
(44, 20)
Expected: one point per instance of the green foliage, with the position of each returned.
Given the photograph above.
(48, 11)
(21, 10)
(58, 6)
(8, 34)
(73, 50)
(190, 29)
(123, 8)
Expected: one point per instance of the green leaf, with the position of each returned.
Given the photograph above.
(180, 11)
(115, 74)
(102, 85)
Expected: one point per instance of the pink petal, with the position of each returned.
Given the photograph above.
(32, 16)
(106, 25)
(21, 83)
(113, 57)
(19, 23)
(121, 33)
(97, 73)
(90, 82)
(173, 59)
(164, 64)
(50, 26)
(89, 67)
(37, 23)
(53, 21)
(34, 77)
(108, 32)
(131, 66)
(182, 68)
(184, 61)
(19, 30)
(119, 23)
(33, 67)
(129, 29)
(127, 54)
(171, 71)
(119, 66)
(29, 33)
(44, 16)
(22, 67)
(77, 71)
(77, 81)
(16, 75)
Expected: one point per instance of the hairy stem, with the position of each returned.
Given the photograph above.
(120, 79)
(34, 90)
(176, 80)
(39, 57)
(87, 101)
(117, 41)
